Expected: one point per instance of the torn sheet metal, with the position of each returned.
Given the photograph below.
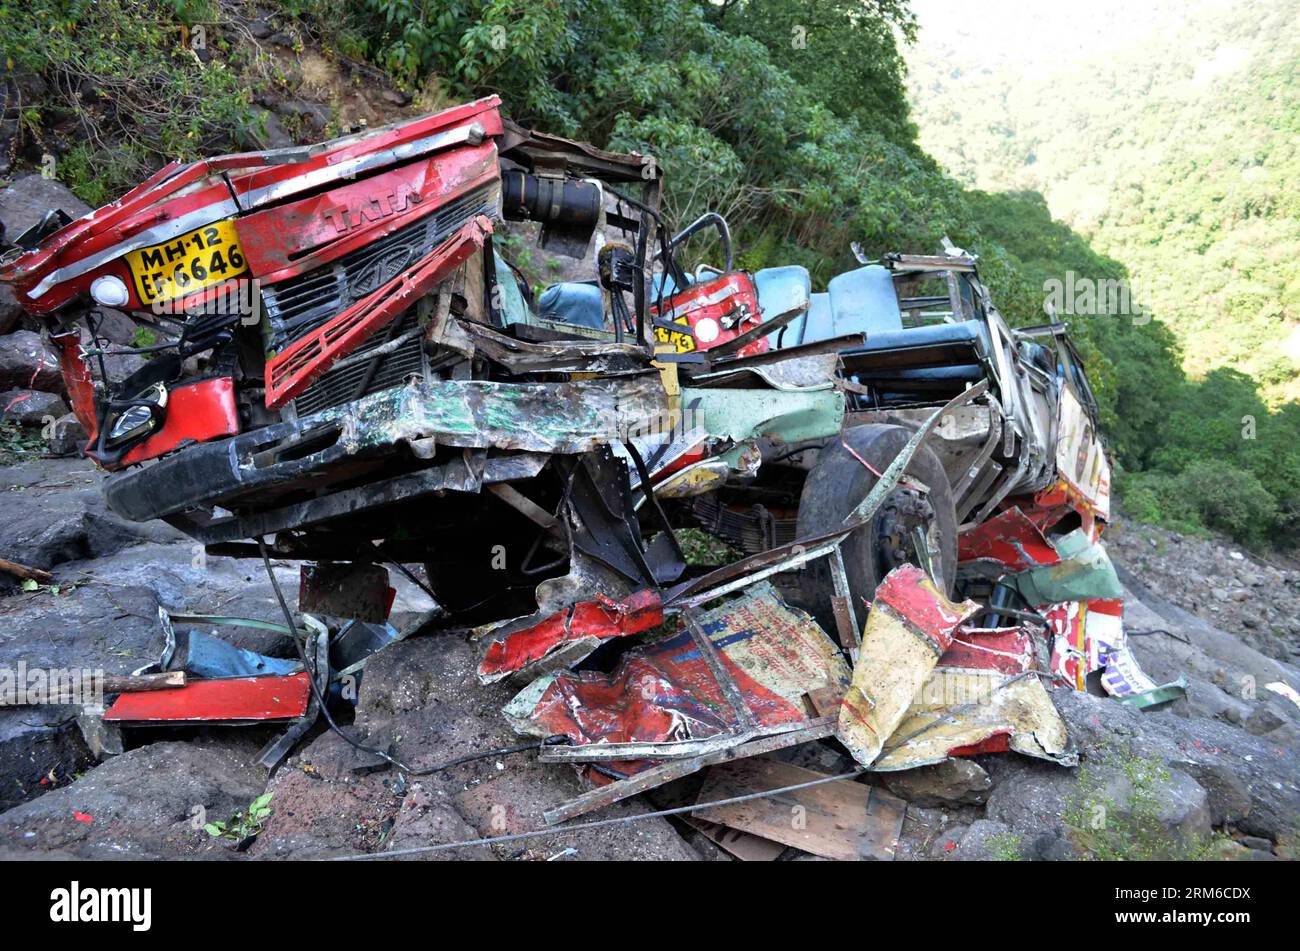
(575, 631)
(230, 700)
(207, 656)
(569, 356)
(964, 711)
(910, 625)
(572, 417)
(665, 692)
(1089, 636)
(779, 417)
(1010, 541)
(1008, 649)
(1083, 571)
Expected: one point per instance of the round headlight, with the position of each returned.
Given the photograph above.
(109, 291)
(707, 330)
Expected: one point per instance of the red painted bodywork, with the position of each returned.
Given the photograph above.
(77, 380)
(196, 412)
(292, 238)
(1008, 649)
(908, 591)
(1010, 539)
(236, 698)
(729, 299)
(659, 693)
(601, 619)
(292, 211)
(292, 370)
(178, 189)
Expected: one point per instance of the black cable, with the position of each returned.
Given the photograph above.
(329, 719)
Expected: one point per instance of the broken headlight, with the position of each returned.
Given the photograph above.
(141, 417)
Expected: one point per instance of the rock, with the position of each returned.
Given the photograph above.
(1263, 721)
(316, 116)
(32, 407)
(984, 840)
(44, 526)
(26, 363)
(38, 742)
(1228, 795)
(954, 781)
(397, 97)
(69, 437)
(11, 312)
(150, 802)
(1083, 808)
(273, 134)
(1268, 767)
(116, 327)
(25, 202)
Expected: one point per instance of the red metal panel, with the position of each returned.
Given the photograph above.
(196, 412)
(909, 591)
(601, 619)
(290, 239)
(293, 369)
(76, 377)
(1010, 539)
(730, 301)
(239, 698)
(1008, 649)
(180, 189)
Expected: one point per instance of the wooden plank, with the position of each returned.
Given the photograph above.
(831, 820)
(885, 815)
(743, 845)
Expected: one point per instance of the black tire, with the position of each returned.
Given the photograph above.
(833, 489)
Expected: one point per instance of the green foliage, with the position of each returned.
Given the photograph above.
(792, 121)
(1169, 139)
(1171, 145)
(18, 442)
(245, 823)
(1006, 847)
(121, 92)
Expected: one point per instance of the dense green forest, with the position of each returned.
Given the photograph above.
(791, 118)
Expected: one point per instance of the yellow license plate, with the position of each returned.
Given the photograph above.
(681, 342)
(189, 263)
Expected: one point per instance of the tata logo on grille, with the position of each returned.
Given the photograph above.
(375, 274)
(356, 213)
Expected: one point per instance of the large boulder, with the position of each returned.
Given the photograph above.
(62, 517)
(31, 407)
(952, 782)
(1266, 766)
(40, 748)
(25, 202)
(27, 363)
(148, 803)
(11, 312)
